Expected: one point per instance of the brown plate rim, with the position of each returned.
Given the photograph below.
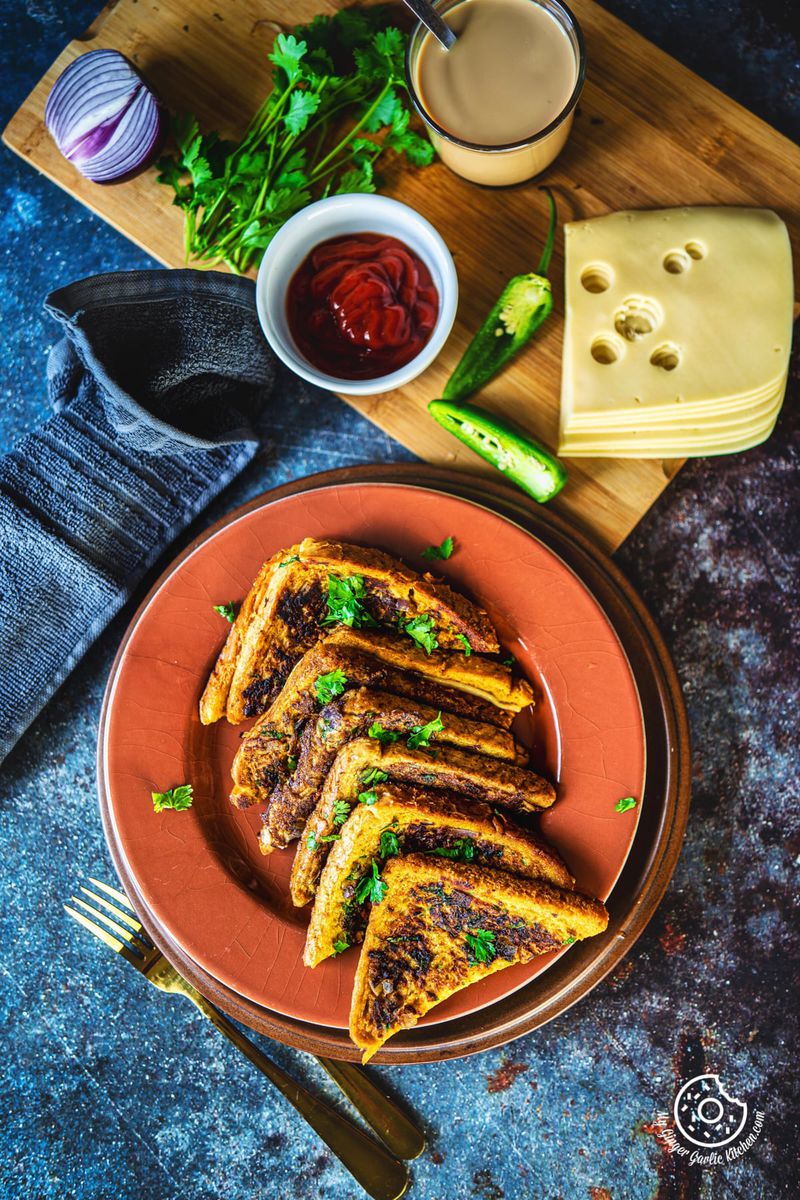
(658, 839)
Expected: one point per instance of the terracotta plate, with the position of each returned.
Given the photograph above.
(200, 874)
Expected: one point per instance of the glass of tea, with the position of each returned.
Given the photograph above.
(499, 104)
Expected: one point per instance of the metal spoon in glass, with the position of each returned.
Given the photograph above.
(424, 10)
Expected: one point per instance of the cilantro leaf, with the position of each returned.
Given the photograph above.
(330, 837)
(330, 685)
(443, 550)
(462, 637)
(341, 811)
(291, 559)
(178, 798)
(371, 887)
(390, 844)
(569, 941)
(481, 947)
(385, 736)
(368, 798)
(287, 54)
(420, 736)
(228, 611)
(422, 630)
(302, 106)
(624, 805)
(340, 946)
(311, 840)
(462, 849)
(345, 603)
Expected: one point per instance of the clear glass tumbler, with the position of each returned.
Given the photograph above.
(497, 166)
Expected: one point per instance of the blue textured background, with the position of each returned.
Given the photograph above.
(111, 1091)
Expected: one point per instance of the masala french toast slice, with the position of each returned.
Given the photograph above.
(441, 926)
(473, 687)
(352, 716)
(405, 820)
(364, 762)
(318, 583)
(214, 701)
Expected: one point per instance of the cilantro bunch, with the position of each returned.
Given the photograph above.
(335, 82)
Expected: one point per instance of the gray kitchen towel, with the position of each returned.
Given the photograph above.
(157, 386)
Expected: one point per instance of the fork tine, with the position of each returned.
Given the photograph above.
(125, 935)
(115, 893)
(125, 917)
(104, 936)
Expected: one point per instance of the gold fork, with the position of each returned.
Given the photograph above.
(380, 1174)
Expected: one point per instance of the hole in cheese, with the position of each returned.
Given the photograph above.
(596, 278)
(637, 317)
(607, 350)
(667, 357)
(695, 250)
(676, 262)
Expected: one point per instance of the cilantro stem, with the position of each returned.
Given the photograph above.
(358, 125)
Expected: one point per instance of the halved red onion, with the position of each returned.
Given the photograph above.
(104, 118)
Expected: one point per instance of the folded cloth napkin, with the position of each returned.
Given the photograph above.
(156, 384)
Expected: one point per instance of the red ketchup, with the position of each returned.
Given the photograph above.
(361, 306)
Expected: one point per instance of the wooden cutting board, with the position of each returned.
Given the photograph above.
(649, 133)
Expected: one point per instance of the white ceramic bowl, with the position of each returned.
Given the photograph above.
(335, 217)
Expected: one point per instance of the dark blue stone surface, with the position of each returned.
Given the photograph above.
(110, 1092)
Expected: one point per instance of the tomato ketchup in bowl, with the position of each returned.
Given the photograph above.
(357, 293)
(362, 305)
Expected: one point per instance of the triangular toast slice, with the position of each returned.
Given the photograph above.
(287, 610)
(474, 687)
(405, 820)
(351, 716)
(441, 926)
(443, 767)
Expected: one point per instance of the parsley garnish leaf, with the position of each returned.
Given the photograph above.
(462, 849)
(330, 685)
(385, 736)
(443, 550)
(368, 798)
(420, 736)
(340, 946)
(292, 558)
(178, 798)
(462, 637)
(371, 887)
(228, 611)
(345, 605)
(341, 811)
(422, 630)
(625, 804)
(390, 844)
(373, 775)
(481, 947)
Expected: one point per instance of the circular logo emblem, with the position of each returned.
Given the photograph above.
(706, 1115)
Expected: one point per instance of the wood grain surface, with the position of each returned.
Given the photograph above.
(649, 133)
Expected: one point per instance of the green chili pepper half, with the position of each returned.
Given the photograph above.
(525, 304)
(520, 459)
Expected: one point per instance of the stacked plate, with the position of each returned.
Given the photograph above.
(608, 723)
(678, 332)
